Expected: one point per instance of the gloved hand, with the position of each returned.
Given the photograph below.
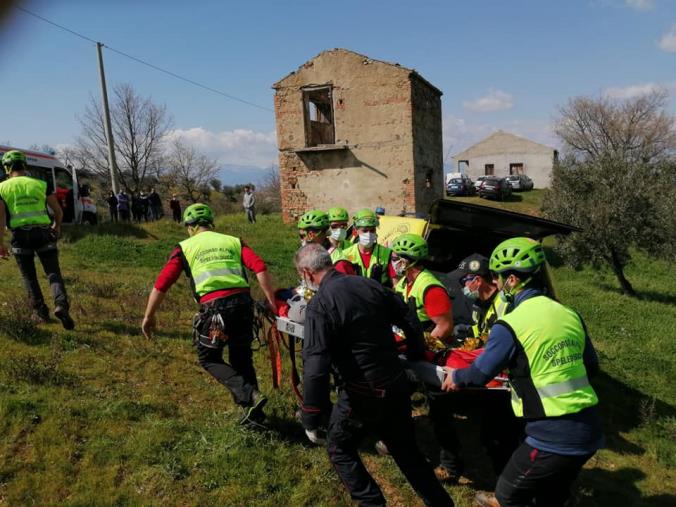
(316, 436)
(462, 330)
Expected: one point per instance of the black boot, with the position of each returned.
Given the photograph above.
(41, 313)
(62, 314)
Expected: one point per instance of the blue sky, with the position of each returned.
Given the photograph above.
(501, 64)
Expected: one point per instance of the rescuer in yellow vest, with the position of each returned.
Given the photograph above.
(338, 222)
(216, 266)
(428, 297)
(488, 305)
(369, 258)
(23, 208)
(546, 348)
(313, 227)
(500, 429)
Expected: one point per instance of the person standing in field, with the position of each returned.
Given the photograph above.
(249, 203)
(175, 206)
(123, 205)
(112, 206)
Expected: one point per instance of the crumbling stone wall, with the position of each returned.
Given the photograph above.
(373, 161)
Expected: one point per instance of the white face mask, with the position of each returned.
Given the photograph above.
(472, 295)
(338, 234)
(400, 266)
(367, 239)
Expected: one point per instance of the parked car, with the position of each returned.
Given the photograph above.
(520, 182)
(479, 181)
(495, 188)
(460, 186)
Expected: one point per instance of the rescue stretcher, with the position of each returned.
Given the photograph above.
(428, 373)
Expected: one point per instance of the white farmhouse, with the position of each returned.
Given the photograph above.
(502, 154)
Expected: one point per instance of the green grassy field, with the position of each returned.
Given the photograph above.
(523, 202)
(101, 416)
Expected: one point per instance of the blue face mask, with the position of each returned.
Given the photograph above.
(472, 295)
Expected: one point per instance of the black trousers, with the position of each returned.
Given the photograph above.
(537, 478)
(40, 241)
(390, 419)
(239, 376)
(176, 213)
(500, 429)
(445, 431)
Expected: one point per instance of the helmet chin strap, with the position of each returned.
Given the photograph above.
(509, 295)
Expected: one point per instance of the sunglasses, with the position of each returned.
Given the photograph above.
(468, 278)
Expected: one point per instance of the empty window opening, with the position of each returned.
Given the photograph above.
(318, 106)
(489, 169)
(463, 166)
(516, 169)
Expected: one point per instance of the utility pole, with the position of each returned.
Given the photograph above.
(112, 165)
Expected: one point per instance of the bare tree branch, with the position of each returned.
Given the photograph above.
(139, 126)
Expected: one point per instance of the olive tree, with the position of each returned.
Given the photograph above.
(615, 181)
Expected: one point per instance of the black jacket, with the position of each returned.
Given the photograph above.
(348, 329)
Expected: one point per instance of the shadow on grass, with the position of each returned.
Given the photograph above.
(623, 408)
(75, 233)
(16, 322)
(599, 487)
(124, 328)
(647, 295)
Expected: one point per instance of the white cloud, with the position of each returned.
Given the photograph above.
(239, 147)
(632, 91)
(668, 40)
(640, 5)
(496, 100)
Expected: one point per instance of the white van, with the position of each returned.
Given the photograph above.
(64, 179)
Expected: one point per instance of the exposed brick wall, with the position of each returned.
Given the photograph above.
(374, 115)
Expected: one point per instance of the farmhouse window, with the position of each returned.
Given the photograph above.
(319, 124)
(489, 169)
(516, 169)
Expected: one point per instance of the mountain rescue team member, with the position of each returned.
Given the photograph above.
(423, 291)
(23, 208)
(215, 265)
(348, 330)
(549, 355)
(488, 304)
(370, 259)
(338, 222)
(500, 429)
(313, 227)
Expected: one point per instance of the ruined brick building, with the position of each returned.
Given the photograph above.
(357, 132)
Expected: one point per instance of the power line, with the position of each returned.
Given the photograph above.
(147, 64)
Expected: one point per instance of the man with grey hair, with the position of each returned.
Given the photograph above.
(348, 331)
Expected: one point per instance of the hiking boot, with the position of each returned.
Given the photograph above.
(62, 314)
(485, 499)
(41, 313)
(381, 448)
(253, 414)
